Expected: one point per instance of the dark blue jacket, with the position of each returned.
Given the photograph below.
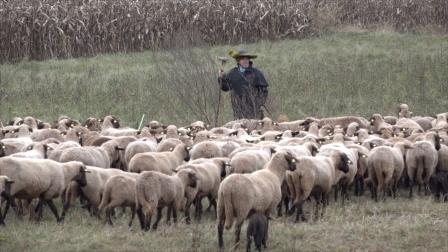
(249, 91)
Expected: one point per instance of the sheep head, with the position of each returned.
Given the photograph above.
(344, 163)
(110, 121)
(224, 168)
(376, 119)
(189, 177)
(291, 160)
(81, 177)
(186, 152)
(2, 149)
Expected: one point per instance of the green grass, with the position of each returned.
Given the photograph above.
(361, 225)
(342, 73)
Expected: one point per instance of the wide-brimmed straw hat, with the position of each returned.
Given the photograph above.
(238, 53)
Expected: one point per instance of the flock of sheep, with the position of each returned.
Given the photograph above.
(245, 169)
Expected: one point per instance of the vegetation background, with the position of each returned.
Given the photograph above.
(322, 58)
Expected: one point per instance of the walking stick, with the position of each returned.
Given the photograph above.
(223, 61)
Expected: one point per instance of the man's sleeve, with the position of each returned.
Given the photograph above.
(261, 80)
(224, 83)
(262, 86)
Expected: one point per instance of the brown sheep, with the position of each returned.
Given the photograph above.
(315, 176)
(164, 162)
(385, 166)
(155, 190)
(260, 191)
(421, 161)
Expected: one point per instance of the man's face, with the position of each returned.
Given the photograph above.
(244, 61)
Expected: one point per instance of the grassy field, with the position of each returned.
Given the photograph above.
(344, 73)
(361, 225)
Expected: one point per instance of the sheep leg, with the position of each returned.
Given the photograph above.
(213, 202)
(158, 218)
(187, 214)
(53, 209)
(411, 185)
(174, 214)
(132, 216)
(220, 234)
(299, 213)
(39, 209)
(249, 241)
(8, 202)
(109, 216)
(168, 215)
(265, 237)
(141, 218)
(336, 190)
(198, 204)
(323, 200)
(318, 200)
(238, 233)
(147, 221)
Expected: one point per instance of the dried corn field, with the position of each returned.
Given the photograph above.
(44, 29)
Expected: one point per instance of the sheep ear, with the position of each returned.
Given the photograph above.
(84, 169)
(233, 133)
(273, 150)
(192, 176)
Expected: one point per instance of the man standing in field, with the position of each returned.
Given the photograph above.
(248, 85)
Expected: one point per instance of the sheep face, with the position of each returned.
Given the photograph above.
(187, 154)
(92, 124)
(291, 160)
(437, 141)
(2, 150)
(7, 189)
(344, 163)
(189, 176)
(224, 168)
(112, 120)
(81, 177)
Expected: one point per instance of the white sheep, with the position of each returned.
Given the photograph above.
(164, 162)
(40, 178)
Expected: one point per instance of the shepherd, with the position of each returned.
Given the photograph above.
(248, 85)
